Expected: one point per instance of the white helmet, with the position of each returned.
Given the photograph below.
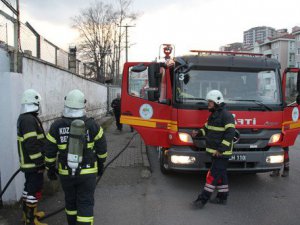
(215, 96)
(74, 104)
(30, 101)
(75, 99)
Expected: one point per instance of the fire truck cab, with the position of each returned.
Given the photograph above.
(165, 101)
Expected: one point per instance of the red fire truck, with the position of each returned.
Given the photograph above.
(165, 101)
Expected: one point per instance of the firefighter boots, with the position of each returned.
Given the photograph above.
(199, 203)
(285, 173)
(38, 214)
(218, 200)
(31, 217)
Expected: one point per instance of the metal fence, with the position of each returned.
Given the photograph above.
(32, 43)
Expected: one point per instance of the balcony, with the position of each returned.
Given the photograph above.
(267, 52)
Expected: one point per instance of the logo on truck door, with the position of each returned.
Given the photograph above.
(146, 111)
(295, 114)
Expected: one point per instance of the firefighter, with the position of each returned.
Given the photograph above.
(286, 165)
(31, 140)
(116, 105)
(219, 132)
(79, 146)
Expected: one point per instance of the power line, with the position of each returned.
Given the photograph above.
(126, 38)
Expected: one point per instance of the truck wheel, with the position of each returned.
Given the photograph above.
(163, 164)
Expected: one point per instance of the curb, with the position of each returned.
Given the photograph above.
(144, 155)
(146, 172)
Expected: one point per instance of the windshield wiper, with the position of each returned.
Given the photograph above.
(260, 103)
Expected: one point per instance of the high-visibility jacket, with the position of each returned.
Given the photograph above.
(94, 153)
(219, 131)
(31, 140)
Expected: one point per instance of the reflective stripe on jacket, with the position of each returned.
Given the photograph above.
(219, 132)
(31, 140)
(94, 152)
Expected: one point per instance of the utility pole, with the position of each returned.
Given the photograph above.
(126, 39)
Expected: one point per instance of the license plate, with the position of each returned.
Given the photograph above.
(238, 158)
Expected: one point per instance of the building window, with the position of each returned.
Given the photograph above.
(298, 37)
(292, 45)
(298, 51)
(298, 64)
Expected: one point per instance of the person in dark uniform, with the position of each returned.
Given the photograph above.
(116, 105)
(78, 183)
(219, 132)
(31, 140)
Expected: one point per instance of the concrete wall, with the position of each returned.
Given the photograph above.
(53, 84)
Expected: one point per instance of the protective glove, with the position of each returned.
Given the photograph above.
(100, 169)
(51, 173)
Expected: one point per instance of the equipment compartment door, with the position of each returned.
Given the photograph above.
(291, 117)
(146, 102)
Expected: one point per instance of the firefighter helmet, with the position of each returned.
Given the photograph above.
(30, 101)
(75, 99)
(215, 96)
(74, 104)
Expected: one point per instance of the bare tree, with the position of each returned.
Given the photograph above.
(95, 28)
(101, 36)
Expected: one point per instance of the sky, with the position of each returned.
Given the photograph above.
(188, 24)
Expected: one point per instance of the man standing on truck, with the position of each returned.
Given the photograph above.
(219, 132)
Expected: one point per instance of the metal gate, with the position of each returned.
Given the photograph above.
(112, 92)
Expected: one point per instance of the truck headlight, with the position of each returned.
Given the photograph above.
(275, 159)
(182, 159)
(275, 138)
(184, 137)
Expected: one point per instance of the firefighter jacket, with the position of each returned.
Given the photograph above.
(31, 140)
(94, 153)
(219, 131)
(116, 105)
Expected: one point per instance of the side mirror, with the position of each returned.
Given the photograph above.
(154, 77)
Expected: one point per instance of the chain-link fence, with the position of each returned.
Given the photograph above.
(32, 43)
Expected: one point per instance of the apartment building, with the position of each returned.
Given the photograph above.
(296, 33)
(257, 34)
(281, 48)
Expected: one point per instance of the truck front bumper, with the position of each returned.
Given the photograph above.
(243, 161)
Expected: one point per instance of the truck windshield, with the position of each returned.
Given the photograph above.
(237, 87)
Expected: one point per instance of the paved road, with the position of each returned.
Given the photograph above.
(124, 197)
(254, 199)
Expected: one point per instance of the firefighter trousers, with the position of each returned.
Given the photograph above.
(33, 185)
(216, 179)
(117, 117)
(31, 194)
(79, 198)
(286, 162)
